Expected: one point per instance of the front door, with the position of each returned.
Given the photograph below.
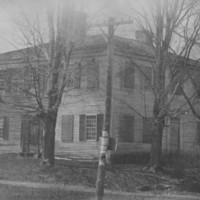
(67, 126)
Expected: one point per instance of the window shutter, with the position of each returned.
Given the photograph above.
(129, 75)
(128, 128)
(198, 132)
(96, 75)
(77, 75)
(82, 127)
(67, 128)
(93, 75)
(147, 130)
(174, 134)
(100, 118)
(6, 128)
(27, 78)
(121, 75)
(121, 128)
(25, 133)
(145, 78)
(8, 81)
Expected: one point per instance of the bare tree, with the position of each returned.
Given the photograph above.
(166, 22)
(48, 73)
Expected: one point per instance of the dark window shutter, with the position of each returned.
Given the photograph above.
(174, 133)
(198, 132)
(129, 75)
(100, 118)
(121, 75)
(147, 130)
(82, 127)
(67, 128)
(77, 75)
(25, 133)
(27, 82)
(93, 75)
(96, 75)
(174, 80)
(128, 128)
(6, 128)
(145, 78)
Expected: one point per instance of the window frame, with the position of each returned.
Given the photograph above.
(146, 84)
(93, 135)
(128, 83)
(93, 74)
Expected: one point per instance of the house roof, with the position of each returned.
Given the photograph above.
(92, 43)
(121, 44)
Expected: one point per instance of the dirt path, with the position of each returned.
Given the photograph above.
(79, 188)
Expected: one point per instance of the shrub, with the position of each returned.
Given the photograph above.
(130, 158)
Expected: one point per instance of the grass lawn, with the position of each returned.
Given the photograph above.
(125, 178)
(24, 193)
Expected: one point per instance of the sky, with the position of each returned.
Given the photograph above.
(12, 12)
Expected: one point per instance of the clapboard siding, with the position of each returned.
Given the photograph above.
(85, 101)
(92, 102)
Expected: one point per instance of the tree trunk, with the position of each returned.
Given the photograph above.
(49, 138)
(156, 144)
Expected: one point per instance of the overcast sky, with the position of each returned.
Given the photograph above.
(11, 12)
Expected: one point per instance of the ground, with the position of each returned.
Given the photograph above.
(26, 178)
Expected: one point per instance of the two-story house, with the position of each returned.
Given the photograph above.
(80, 117)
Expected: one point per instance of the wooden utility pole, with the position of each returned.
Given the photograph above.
(108, 109)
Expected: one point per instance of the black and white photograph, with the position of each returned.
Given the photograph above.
(99, 99)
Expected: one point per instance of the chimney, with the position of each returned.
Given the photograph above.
(79, 27)
(144, 36)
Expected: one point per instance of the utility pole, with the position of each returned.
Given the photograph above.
(108, 108)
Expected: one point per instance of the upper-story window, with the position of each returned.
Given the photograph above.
(74, 75)
(5, 80)
(77, 75)
(93, 74)
(128, 76)
(175, 81)
(3, 76)
(145, 77)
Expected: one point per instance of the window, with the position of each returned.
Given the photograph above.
(93, 74)
(67, 128)
(90, 127)
(74, 75)
(77, 75)
(4, 80)
(147, 130)
(145, 78)
(29, 75)
(17, 76)
(128, 76)
(175, 78)
(126, 129)
(174, 134)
